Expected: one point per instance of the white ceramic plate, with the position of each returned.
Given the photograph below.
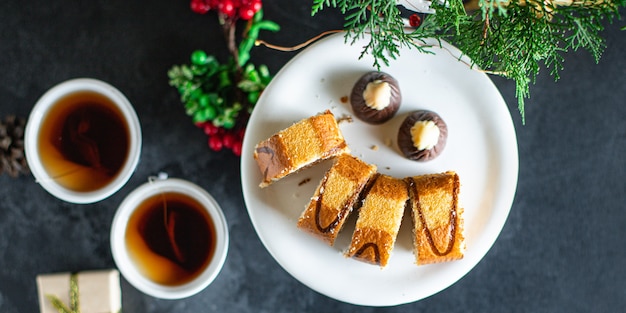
(481, 148)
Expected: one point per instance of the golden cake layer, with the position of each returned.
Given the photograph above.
(437, 217)
(302, 144)
(379, 220)
(334, 197)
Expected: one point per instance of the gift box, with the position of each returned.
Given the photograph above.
(86, 292)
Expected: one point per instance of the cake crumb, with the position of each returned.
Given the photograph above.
(344, 99)
(344, 118)
(374, 147)
(388, 142)
(304, 181)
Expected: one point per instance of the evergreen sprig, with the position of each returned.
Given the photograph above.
(510, 38)
(363, 16)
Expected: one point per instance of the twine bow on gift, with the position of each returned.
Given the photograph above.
(74, 305)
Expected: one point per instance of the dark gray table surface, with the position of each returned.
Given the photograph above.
(561, 250)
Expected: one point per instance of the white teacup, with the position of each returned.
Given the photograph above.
(47, 134)
(152, 272)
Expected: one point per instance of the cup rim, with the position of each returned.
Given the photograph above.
(123, 260)
(31, 134)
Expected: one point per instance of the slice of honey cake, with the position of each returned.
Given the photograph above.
(379, 220)
(437, 217)
(300, 145)
(334, 197)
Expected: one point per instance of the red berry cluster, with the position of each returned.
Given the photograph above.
(220, 138)
(244, 9)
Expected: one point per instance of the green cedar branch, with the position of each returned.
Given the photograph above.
(514, 39)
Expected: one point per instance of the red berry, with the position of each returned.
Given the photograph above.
(229, 140)
(246, 13)
(210, 129)
(415, 20)
(227, 7)
(248, 8)
(215, 143)
(241, 132)
(199, 6)
(256, 5)
(237, 148)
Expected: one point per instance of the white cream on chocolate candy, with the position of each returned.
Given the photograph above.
(425, 135)
(377, 94)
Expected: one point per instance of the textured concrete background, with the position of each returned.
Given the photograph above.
(561, 250)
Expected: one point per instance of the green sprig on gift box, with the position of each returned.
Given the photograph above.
(97, 284)
(74, 306)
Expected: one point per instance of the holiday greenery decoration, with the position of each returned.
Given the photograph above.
(219, 96)
(12, 159)
(509, 38)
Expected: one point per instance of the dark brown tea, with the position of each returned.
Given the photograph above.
(83, 141)
(171, 238)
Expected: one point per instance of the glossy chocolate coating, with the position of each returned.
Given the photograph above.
(368, 114)
(405, 139)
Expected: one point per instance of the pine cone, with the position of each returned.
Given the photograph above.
(12, 158)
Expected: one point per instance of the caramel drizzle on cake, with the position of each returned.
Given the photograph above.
(437, 217)
(379, 220)
(318, 210)
(375, 250)
(414, 194)
(335, 196)
(359, 253)
(365, 191)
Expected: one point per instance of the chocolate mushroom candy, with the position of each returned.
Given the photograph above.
(375, 97)
(422, 136)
